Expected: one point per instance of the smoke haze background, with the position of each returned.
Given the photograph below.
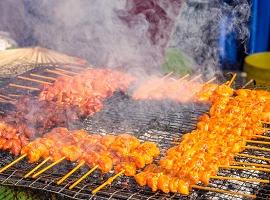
(95, 29)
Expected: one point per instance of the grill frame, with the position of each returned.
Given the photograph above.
(165, 135)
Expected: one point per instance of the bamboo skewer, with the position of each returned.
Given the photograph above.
(14, 95)
(7, 97)
(57, 72)
(251, 164)
(167, 75)
(210, 81)
(195, 78)
(24, 87)
(13, 163)
(37, 167)
(224, 191)
(83, 177)
(44, 77)
(255, 157)
(232, 80)
(34, 80)
(245, 168)
(48, 167)
(258, 142)
(70, 173)
(262, 137)
(257, 148)
(184, 77)
(240, 179)
(70, 72)
(248, 83)
(109, 181)
(6, 101)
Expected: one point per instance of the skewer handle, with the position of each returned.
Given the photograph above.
(83, 177)
(109, 181)
(13, 163)
(70, 173)
(48, 167)
(37, 167)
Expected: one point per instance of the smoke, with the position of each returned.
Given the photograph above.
(201, 26)
(107, 33)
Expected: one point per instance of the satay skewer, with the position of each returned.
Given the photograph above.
(7, 97)
(48, 167)
(12, 163)
(44, 77)
(224, 191)
(262, 137)
(34, 80)
(183, 78)
(14, 95)
(24, 87)
(258, 142)
(232, 79)
(210, 81)
(6, 101)
(37, 167)
(57, 72)
(83, 177)
(167, 75)
(240, 179)
(257, 148)
(70, 172)
(109, 181)
(245, 168)
(251, 164)
(66, 71)
(254, 157)
(248, 83)
(195, 78)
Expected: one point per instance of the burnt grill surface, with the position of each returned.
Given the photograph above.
(158, 121)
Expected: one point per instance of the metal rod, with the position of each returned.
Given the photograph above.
(34, 80)
(70, 173)
(48, 167)
(240, 179)
(37, 167)
(83, 177)
(13, 163)
(24, 87)
(223, 191)
(109, 181)
(44, 77)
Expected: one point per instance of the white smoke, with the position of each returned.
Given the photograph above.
(93, 30)
(197, 29)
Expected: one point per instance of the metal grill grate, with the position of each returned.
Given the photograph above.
(149, 121)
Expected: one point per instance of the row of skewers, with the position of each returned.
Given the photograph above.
(59, 105)
(212, 95)
(233, 121)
